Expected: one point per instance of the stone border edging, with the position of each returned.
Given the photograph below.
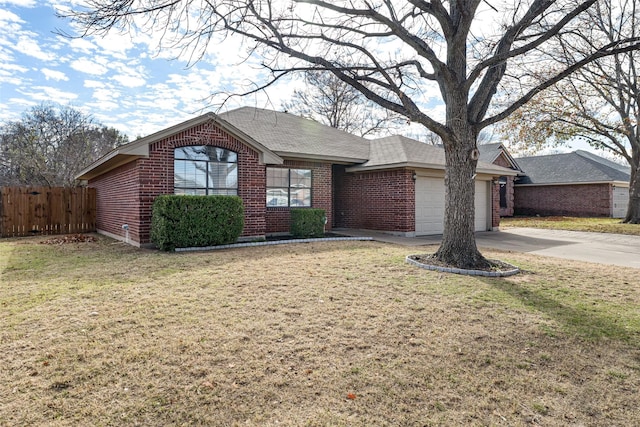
(463, 271)
(273, 242)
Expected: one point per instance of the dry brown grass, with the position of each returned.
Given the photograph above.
(323, 334)
(599, 225)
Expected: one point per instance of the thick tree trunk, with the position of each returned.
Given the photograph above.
(633, 209)
(458, 245)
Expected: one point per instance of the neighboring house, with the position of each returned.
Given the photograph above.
(275, 161)
(497, 154)
(572, 184)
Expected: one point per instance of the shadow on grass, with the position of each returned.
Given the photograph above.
(587, 320)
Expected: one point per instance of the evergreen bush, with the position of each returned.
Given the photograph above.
(196, 221)
(306, 222)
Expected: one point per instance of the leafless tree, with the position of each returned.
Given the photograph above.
(599, 104)
(50, 144)
(331, 101)
(399, 54)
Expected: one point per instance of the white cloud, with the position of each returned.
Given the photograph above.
(103, 106)
(12, 67)
(129, 75)
(89, 66)
(106, 94)
(48, 93)
(20, 3)
(7, 16)
(29, 46)
(7, 77)
(79, 45)
(93, 84)
(129, 80)
(114, 45)
(54, 75)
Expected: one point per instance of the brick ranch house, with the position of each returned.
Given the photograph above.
(571, 184)
(275, 161)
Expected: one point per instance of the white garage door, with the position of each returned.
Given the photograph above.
(482, 205)
(430, 206)
(620, 202)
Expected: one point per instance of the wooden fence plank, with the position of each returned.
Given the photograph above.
(27, 211)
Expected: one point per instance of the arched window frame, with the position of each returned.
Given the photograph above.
(205, 170)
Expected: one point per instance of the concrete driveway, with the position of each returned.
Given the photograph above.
(603, 248)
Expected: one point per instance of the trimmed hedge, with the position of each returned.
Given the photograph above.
(196, 221)
(306, 222)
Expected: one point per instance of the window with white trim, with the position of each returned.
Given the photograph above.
(205, 170)
(288, 187)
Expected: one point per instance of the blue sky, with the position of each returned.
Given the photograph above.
(122, 81)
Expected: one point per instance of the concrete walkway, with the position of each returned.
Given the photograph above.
(603, 248)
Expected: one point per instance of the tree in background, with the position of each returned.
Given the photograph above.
(599, 104)
(50, 145)
(403, 55)
(330, 101)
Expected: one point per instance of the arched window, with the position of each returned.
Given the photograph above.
(205, 170)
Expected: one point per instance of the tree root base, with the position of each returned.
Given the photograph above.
(495, 268)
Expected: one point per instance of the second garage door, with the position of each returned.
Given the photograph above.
(430, 205)
(620, 202)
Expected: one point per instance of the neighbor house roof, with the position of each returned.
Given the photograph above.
(399, 151)
(567, 168)
(490, 152)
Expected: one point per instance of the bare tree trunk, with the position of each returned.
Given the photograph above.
(633, 209)
(458, 245)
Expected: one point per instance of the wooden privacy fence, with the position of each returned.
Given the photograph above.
(27, 211)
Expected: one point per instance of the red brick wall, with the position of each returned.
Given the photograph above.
(381, 200)
(508, 211)
(117, 201)
(278, 219)
(145, 179)
(568, 200)
(496, 211)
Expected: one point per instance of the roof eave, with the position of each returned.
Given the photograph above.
(140, 147)
(113, 159)
(498, 170)
(319, 157)
(546, 184)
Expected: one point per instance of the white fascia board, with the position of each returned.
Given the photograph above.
(318, 158)
(547, 184)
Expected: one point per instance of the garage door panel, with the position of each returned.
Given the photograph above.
(430, 205)
(620, 202)
(482, 205)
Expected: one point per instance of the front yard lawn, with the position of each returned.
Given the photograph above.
(600, 225)
(317, 334)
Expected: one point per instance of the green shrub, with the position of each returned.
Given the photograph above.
(307, 222)
(196, 221)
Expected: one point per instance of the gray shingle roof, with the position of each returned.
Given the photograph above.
(293, 136)
(400, 151)
(490, 152)
(565, 168)
(277, 134)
